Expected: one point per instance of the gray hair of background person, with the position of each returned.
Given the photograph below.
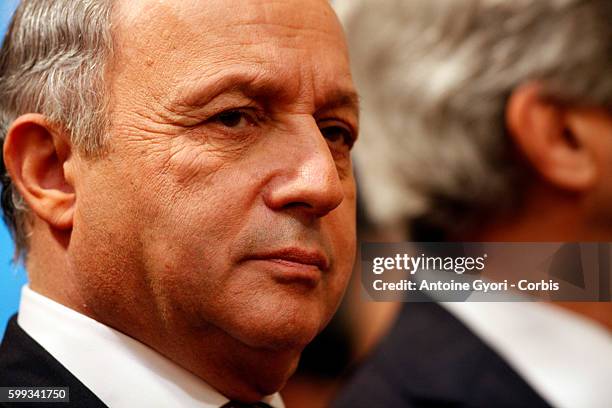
(435, 76)
(53, 62)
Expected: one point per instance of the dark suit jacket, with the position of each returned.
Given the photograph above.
(24, 363)
(431, 359)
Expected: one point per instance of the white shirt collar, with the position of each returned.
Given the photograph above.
(566, 358)
(119, 370)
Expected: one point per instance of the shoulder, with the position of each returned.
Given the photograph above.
(430, 358)
(25, 363)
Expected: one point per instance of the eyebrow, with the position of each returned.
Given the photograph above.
(257, 85)
(341, 99)
(207, 89)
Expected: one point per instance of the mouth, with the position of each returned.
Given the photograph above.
(294, 265)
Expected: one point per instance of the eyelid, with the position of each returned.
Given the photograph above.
(251, 111)
(340, 123)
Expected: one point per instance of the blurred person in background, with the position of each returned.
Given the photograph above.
(486, 120)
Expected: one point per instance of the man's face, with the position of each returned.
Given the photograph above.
(227, 198)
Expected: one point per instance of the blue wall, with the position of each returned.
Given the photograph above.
(6, 9)
(11, 279)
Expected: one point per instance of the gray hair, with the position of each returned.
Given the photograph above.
(435, 76)
(53, 62)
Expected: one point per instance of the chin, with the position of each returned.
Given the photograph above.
(287, 337)
(268, 386)
(288, 327)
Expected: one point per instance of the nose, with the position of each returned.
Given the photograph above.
(308, 180)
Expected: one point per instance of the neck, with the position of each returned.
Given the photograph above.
(547, 216)
(600, 312)
(552, 217)
(238, 371)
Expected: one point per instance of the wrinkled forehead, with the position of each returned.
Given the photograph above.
(179, 23)
(174, 41)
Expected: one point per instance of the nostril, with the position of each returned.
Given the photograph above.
(300, 195)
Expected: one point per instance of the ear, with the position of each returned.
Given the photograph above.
(559, 151)
(34, 154)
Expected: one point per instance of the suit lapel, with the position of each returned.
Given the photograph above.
(442, 363)
(25, 363)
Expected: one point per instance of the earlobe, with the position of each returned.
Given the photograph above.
(543, 135)
(35, 154)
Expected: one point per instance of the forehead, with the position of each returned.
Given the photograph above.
(204, 16)
(169, 41)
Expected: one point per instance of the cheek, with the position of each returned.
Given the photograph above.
(188, 163)
(342, 225)
(343, 233)
(106, 247)
(189, 240)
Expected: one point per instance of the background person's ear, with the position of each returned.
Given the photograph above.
(547, 135)
(34, 155)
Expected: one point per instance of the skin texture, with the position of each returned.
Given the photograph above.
(232, 122)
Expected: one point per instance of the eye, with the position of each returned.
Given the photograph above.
(338, 135)
(234, 118)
